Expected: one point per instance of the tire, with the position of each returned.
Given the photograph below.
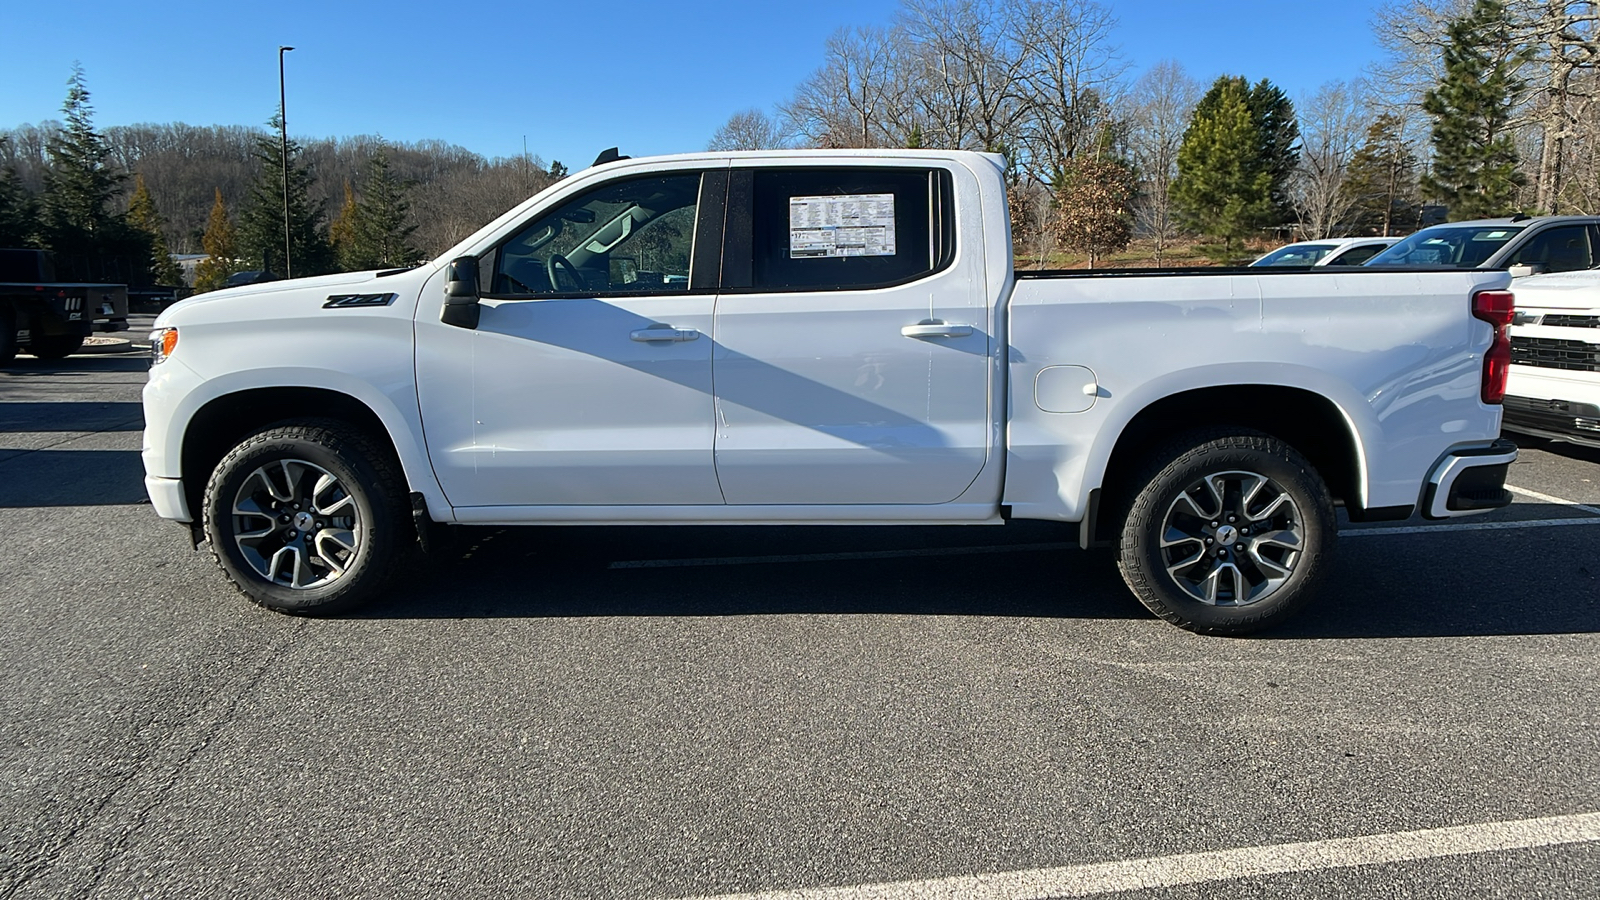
(309, 517)
(1230, 534)
(8, 334)
(55, 346)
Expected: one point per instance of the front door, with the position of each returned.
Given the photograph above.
(852, 340)
(588, 378)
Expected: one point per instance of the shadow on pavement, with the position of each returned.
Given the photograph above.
(71, 478)
(1450, 584)
(19, 417)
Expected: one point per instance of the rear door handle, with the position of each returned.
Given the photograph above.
(664, 333)
(935, 329)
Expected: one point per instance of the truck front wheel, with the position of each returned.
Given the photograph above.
(55, 346)
(1230, 534)
(308, 517)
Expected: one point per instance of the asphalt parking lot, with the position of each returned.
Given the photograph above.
(780, 712)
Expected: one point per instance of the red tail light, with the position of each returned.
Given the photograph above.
(1496, 308)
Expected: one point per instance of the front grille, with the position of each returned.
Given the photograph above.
(1553, 353)
(1570, 321)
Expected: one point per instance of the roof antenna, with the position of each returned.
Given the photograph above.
(609, 156)
(1519, 217)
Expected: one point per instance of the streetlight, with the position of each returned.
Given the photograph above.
(283, 134)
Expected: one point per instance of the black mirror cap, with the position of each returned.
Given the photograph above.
(461, 307)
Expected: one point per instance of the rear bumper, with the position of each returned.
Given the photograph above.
(1469, 481)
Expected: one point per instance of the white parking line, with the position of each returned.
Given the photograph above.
(1549, 499)
(1218, 865)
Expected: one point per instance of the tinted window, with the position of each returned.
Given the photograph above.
(1295, 255)
(833, 229)
(1357, 255)
(1565, 249)
(1448, 245)
(631, 236)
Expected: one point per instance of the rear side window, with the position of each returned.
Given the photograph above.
(840, 228)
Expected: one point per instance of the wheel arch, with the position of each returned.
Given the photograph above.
(224, 420)
(1306, 420)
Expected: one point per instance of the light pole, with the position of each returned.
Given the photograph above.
(283, 134)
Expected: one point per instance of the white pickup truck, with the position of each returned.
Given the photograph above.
(821, 338)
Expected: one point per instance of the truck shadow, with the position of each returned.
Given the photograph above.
(41, 478)
(1447, 584)
(28, 417)
(24, 366)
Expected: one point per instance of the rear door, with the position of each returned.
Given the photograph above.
(851, 358)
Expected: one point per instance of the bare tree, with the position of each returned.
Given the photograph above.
(968, 71)
(749, 129)
(1332, 121)
(844, 103)
(1160, 106)
(1071, 83)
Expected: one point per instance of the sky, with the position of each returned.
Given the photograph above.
(564, 80)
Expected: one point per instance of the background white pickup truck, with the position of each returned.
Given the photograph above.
(816, 337)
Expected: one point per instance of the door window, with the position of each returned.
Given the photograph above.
(834, 229)
(634, 236)
(1565, 249)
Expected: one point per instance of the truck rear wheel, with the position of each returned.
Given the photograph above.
(8, 334)
(1230, 534)
(308, 517)
(55, 346)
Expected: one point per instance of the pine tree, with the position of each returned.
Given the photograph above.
(380, 231)
(1475, 165)
(92, 242)
(17, 209)
(1224, 186)
(261, 223)
(142, 215)
(342, 230)
(1382, 180)
(221, 252)
(1279, 133)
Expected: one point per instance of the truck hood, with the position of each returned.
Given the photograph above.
(1562, 290)
(342, 281)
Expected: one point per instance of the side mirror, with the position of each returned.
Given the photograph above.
(461, 307)
(1523, 270)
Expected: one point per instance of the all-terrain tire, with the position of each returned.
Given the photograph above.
(309, 517)
(1230, 533)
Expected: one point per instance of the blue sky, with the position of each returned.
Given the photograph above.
(569, 78)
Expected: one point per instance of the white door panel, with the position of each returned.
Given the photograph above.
(557, 401)
(822, 399)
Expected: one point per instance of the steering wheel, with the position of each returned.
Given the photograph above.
(559, 263)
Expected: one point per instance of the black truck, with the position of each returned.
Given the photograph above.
(50, 318)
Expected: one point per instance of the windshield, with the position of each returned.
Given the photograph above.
(1459, 246)
(1295, 255)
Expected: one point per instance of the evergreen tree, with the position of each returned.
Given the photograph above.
(1278, 133)
(1475, 165)
(1382, 180)
(77, 217)
(142, 215)
(221, 252)
(17, 209)
(261, 222)
(380, 232)
(1224, 185)
(342, 230)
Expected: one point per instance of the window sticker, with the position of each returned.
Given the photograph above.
(847, 225)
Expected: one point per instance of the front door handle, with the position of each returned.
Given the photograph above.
(934, 328)
(664, 333)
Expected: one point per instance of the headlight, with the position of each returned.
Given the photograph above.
(162, 342)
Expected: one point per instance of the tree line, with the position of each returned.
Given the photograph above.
(116, 204)
(1482, 108)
